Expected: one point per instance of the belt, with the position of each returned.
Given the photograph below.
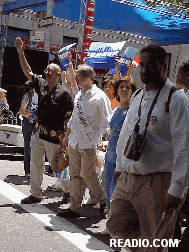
(147, 174)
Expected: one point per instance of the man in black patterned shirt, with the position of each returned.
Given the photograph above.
(55, 107)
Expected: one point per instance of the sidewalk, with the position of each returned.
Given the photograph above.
(12, 172)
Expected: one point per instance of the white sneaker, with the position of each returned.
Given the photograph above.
(105, 232)
(97, 206)
(54, 188)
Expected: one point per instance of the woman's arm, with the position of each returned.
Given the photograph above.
(71, 71)
(23, 110)
(118, 75)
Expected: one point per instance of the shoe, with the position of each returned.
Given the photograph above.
(30, 200)
(27, 176)
(54, 188)
(68, 214)
(105, 232)
(66, 198)
(91, 201)
(48, 170)
(97, 206)
(103, 210)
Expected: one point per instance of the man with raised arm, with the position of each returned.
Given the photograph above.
(55, 107)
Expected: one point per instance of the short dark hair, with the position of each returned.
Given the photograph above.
(184, 68)
(105, 81)
(157, 51)
(129, 80)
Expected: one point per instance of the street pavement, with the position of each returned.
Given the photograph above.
(36, 228)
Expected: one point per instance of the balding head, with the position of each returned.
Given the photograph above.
(54, 68)
(53, 74)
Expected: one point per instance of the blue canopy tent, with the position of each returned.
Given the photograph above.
(161, 24)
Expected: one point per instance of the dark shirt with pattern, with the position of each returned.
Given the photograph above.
(54, 109)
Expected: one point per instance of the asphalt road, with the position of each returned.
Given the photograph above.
(31, 228)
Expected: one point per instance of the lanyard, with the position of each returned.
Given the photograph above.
(150, 110)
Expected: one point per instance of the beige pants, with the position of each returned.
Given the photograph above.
(38, 149)
(137, 206)
(82, 174)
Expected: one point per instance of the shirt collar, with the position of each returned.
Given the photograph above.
(92, 90)
(154, 91)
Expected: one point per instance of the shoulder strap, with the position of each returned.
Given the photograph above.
(172, 90)
(137, 92)
(86, 127)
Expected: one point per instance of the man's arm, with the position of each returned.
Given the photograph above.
(68, 105)
(179, 120)
(106, 111)
(24, 64)
(64, 139)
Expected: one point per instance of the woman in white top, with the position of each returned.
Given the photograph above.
(28, 111)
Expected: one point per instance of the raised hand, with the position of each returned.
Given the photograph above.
(69, 56)
(117, 59)
(19, 43)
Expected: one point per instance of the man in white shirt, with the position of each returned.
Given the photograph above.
(89, 121)
(157, 182)
(182, 80)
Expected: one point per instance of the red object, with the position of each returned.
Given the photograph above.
(27, 41)
(41, 45)
(88, 26)
(88, 31)
(87, 41)
(55, 48)
(136, 61)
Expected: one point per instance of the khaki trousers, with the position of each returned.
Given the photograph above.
(38, 149)
(82, 174)
(137, 206)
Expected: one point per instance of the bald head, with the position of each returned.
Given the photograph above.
(53, 74)
(54, 68)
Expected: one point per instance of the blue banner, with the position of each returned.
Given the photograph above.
(11, 5)
(102, 55)
(63, 56)
(125, 60)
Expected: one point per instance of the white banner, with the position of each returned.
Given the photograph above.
(37, 36)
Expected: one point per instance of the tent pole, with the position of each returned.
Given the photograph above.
(174, 72)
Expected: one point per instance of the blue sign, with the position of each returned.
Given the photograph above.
(63, 56)
(102, 55)
(125, 60)
(11, 5)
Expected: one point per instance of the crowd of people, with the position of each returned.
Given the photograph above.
(146, 175)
